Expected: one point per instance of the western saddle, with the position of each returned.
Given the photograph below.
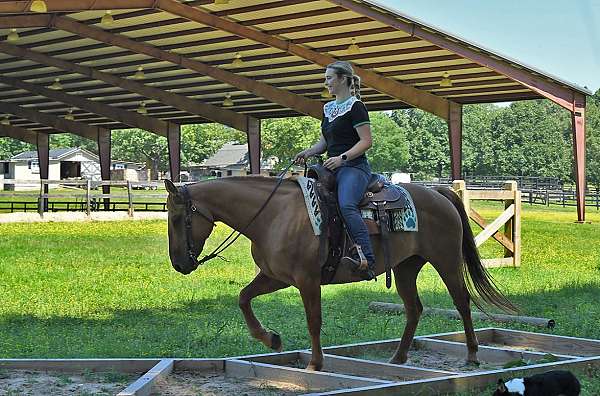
(381, 197)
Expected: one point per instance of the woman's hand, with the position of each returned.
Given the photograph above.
(333, 163)
(301, 157)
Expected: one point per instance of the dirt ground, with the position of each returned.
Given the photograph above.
(187, 383)
(43, 383)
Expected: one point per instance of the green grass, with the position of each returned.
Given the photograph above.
(106, 289)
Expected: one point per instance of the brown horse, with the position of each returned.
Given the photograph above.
(286, 251)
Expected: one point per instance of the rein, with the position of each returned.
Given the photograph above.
(190, 209)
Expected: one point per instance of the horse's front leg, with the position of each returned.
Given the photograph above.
(260, 285)
(311, 297)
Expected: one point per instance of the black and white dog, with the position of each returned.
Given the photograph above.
(551, 383)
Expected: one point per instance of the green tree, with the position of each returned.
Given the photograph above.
(10, 147)
(531, 140)
(68, 140)
(283, 138)
(429, 153)
(389, 151)
(137, 145)
(200, 141)
(593, 139)
(478, 139)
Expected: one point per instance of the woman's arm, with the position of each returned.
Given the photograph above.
(365, 142)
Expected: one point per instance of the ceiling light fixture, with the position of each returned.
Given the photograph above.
(353, 48)
(56, 85)
(142, 108)
(107, 18)
(139, 74)
(38, 6)
(446, 81)
(69, 116)
(228, 102)
(13, 35)
(5, 120)
(237, 61)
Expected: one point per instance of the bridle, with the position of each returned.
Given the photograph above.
(190, 209)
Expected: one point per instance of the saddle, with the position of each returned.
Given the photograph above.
(380, 198)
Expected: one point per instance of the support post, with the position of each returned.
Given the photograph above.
(455, 139)
(254, 145)
(578, 121)
(104, 154)
(174, 142)
(43, 152)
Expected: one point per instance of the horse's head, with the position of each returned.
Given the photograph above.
(190, 224)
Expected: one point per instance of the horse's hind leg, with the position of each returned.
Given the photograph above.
(455, 283)
(405, 276)
(261, 284)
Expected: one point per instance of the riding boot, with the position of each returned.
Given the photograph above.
(358, 263)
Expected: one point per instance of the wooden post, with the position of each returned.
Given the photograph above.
(517, 228)
(174, 143)
(578, 121)
(104, 154)
(43, 152)
(254, 145)
(129, 198)
(40, 200)
(87, 197)
(455, 139)
(460, 187)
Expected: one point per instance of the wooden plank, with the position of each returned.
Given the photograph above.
(498, 236)
(462, 383)
(493, 227)
(143, 386)
(547, 342)
(483, 335)
(200, 364)
(490, 195)
(485, 353)
(304, 378)
(353, 349)
(517, 230)
(498, 262)
(74, 365)
(369, 368)
(280, 358)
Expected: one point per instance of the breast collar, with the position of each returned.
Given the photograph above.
(334, 109)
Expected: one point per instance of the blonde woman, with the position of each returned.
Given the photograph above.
(346, 136)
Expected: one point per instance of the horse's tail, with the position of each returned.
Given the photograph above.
(480, 283)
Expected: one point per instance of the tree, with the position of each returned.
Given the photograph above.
(10, 147)
(137, 145)
(389, 152)
(478, 139)
(283, 138)
(200, 141)
(592, 120)
(429, 153)
(68, 140)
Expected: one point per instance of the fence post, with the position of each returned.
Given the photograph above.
(460, 187)
(130, 198)
(88, 198)
(40, 200)
(512, 228)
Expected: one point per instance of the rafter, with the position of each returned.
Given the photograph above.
(406, 93)
(22, 6)
(58, 124)
(559, 94)
(127, 117)
(210, 112)
(284, 98)
(18, 133)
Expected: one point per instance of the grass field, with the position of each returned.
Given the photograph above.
(106, 289)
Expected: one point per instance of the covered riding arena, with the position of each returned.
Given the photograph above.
(89, 66)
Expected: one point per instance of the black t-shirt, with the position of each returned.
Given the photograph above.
(339, 125)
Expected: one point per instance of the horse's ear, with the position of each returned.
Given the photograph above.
(171, 187)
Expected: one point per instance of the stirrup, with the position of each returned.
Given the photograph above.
(360, 265)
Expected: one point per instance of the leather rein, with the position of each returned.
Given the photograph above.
(191, 209)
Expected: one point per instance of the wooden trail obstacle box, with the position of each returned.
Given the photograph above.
(436, 366)
(510, 218)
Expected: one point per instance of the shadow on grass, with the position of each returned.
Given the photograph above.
(214, 327)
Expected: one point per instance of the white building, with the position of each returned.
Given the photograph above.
(66, 164)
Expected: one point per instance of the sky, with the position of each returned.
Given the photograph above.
(559, 37)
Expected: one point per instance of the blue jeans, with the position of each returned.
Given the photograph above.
(352, 182)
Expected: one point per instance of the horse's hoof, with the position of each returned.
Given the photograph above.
(395, 360)
(276, 342)
(472, 362)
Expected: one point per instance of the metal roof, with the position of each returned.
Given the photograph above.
(193, 60)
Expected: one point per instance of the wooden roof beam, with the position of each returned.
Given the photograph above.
(403, 92)
(59, 124)
(22, 6)
(282, 97)
(21, 134)
(192, 106)
(559, 94)
(127, 117)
